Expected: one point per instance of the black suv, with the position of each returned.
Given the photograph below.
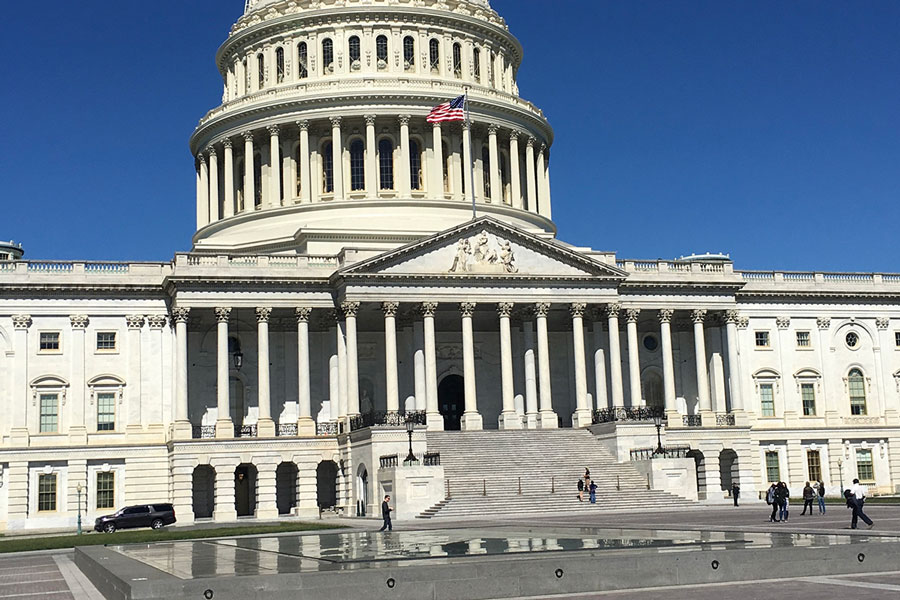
(140, 515)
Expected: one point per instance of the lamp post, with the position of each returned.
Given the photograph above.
(657, 420)
(410, 426)
(841, 474)
(78, 489)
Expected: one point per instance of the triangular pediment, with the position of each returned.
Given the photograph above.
(485, 247)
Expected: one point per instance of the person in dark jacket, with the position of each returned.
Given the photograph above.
(770, 500)
(820, 492)
(782, 498)
(809, 494)
(735, 492)
(592, 489)
(386, 514)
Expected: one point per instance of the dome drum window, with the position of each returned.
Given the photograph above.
(261, 71)
(381, 52)
(457, 61)
(434, 56)
(409, 53)
(327, 56)
(354, 53)
(279, 65)
(357, 166)
(476, 64)
(386, 164)
(415, 166)
(327, 168)
(302, 60)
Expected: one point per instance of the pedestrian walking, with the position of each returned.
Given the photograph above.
(854, 504)
(581, 490)
(809, 494)
(770, 500)
(386, 514)
(735, 492)
(593, 492)
(820, 492)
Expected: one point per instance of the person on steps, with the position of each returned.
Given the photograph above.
(593, 492)
(581, 490)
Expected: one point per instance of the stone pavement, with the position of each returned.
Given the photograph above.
(35, 576)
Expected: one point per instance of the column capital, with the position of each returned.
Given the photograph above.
(514, 135)
(273, 130)
(732, 316)
(429, 308)
(882, 322)
(263, 313)
(180, 314)
(390, 308)
(303, 313)
(134, 321)
(21, 321)
(576, 309)
(302, 125)
(493, 128)
(665, 315)
(156, 321)
(543, 148)
(247, 135)
(632, 314)
(335, 121)
(349, 308)
(698, 315)
(78, 321)
(612, 310)
(201, 158)
(211, 151)
(743, 322)
(823, 322)
(222, 314)
(504, 309)
(227, 143)
(370, 120)
(541, 309)
(467, 308)
(404, 120)
(465, 125)
(782, 322)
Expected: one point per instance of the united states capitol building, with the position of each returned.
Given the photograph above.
(338, 288)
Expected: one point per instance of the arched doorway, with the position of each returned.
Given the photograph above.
(652, 386)
(452, 401)
(699, 465)
(326, 484)
(245, 490)
(236, 400)
(286, 487)
(204, 491)
(362, 490)
(728, 469)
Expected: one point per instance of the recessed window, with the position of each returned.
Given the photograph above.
(767, 399)
(434, 48)
(856, 385)
(303, 60)
(808, 397)
(381, 51)
(803, 339)
(651, 343)
(279, 65)
(415, 165)
(106, 411)
(852, 340)
(476, 64)
(49, 341)
(386, 164)
(457, 60)
(486, 170)
(327, 168)
(327, 56)
(864, 468)
(47, 492)
(354, 46)
(261, 70)
(106, 489)
(49, 416)
(762, 339)
(773, 471)
(106, 341)
(897, 339)
(357, 166)
(409, 53)
(814, 465)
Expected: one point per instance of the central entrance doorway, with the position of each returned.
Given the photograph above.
(452, 401)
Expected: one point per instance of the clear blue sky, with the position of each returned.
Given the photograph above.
(763, 128)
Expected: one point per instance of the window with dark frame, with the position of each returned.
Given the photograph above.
(814, 465)
(106, 489)
(47, 492)
(106, 411)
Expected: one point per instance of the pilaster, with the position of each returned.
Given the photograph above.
(77, 428)
(266, 505)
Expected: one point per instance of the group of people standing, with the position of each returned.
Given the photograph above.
(586, 485)
(778, 497)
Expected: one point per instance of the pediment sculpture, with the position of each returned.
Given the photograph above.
(484, 253)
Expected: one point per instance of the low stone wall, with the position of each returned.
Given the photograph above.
(674, 475)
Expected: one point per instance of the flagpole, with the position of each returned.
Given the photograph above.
(471, 160)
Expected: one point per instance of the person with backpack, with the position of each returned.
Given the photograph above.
(581, 490)
(770, 500)
(856, 505)
(782, 499)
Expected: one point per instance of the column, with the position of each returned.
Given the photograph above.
(540, 172)
(77, 428)
(224, 500)
(229, 179)
(602, 395)
(734, 373)
(467, 161)
(438, 166)
(224, 424)
(546, 204)
(339, 404)
(548, 418)
(306, 426)
(20, 392)
(371, 159)
(266, 482)
(530, 182)
(418, 348)
(274, 166)
(403, 171)
(532, 416)
(433, 415)
(182, 427)
(509, 418)
(214, 213)
(249, 186)
(471, 419)
(133, 422)
(265, 426)
(496, 191)
(665, 334)
(392, 391)
(698, 316)
(202, 192)
(634, 365)
(337, 156)
(303, 164)
(582, 416)
(350, 309)
(615, 355)
(514, 176)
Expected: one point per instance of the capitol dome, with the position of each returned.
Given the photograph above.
(321, 142)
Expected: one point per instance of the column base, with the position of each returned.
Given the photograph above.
(548, 420)
(708, 418)
(265, 428)
(532, 420)
(582, 418)
(471, 421)
(19, 437)
(269, 512)
(182, 430)
(224, 429)
(306, 427)
(434, 421)
(78, 435)
(673, 418)
(510, 420)
(220, 516)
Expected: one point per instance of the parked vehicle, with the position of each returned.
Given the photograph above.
(154, 516)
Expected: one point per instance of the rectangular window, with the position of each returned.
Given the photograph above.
(864, 469)
(814, 464)
(762, 339)
(106, 341)
(857, 388)
(106, 490)
(46, 492)
(808, 395)
(773, 471)
(106, 411)
(49, 341)
(49, 413)
(803, 339)
(767, 399)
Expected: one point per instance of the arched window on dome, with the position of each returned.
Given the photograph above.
(476, 64)
(505, 184)
(415, 165)
(302, 60)
(434, 47)
(357, 166)
(486, 171)
(327, 56)
(354, 53)
(491, 70)
(327, 168)
(279, 65)
(409, 53)
(298, 176)
(246, 72)
(261, 70)
(445, 147)
(386, 164)
(856, 386)
(381, 52)
(239, 185)
(457, 60)
(257, 181)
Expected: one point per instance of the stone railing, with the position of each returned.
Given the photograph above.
(94, 268)
(389, 462)
(818, 277)
(726, 420)
(253, 261)
(242, 431)
(286, 430)
(674, 266)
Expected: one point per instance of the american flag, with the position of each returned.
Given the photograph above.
(448, 111)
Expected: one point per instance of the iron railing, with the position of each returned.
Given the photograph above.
(286, 430)
(327, 428)
(667, 452)
(692, 420)
(619, 413)
(386, 418)
(242, 431)
(203, 432)
(726, 420)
